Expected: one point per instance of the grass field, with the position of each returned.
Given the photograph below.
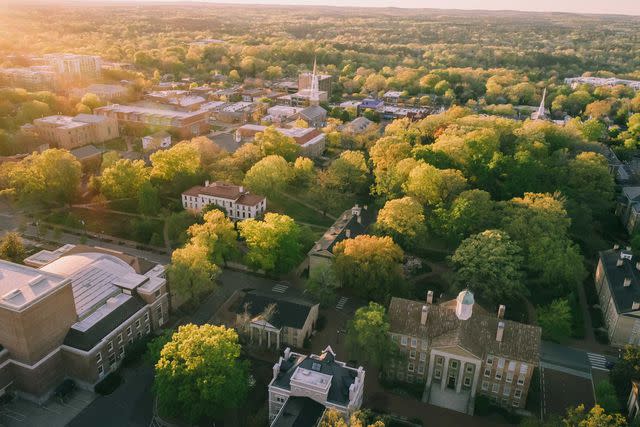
(297, 211)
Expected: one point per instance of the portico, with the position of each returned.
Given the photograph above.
(452, 379)
(264, 331)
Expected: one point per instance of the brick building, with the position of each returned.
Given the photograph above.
(71, 132)
(234, 199)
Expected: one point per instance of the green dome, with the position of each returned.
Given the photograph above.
(466, 297)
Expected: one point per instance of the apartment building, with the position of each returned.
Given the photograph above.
(185, 124)
(307, 385)
(103, 91)
(69, 65)
(72, 132)
(617, 282)
(234, 199)
(71, 313)
(574, 82)
(311, 141)
(628, 208)
(272, 319)
(458, 350)
(40, 77)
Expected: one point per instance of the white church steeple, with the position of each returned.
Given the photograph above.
(314, 95)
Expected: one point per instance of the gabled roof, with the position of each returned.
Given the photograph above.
(313, 112)
(289, 312)
(347, 223)
(623, 296)
(477, 335)
(632, 193)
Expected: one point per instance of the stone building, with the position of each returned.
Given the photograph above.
(234, 199)
(458, 350)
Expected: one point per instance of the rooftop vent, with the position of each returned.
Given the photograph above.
(616, 247)
(627, 282)
(626, 255)
(619, 262)
(635, 305)
(500, 331)
(501, 310)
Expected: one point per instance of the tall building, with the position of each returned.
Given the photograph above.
(315, 81)
(72, 313)
(310, 384)
(31, 78)
(458, 350)
(72, 66)
(71, 132)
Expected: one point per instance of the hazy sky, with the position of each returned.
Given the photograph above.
(629, 7)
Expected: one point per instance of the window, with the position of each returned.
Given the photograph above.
(516, 403)
(523, 368)
(454, 364)
(424, 345)
(505, 400)
(439, 360)
(410, 378)
(512, 366)
(489, 360)
(467, 381)
(98, 357)
(394, 338)
(495, 387)
(412, 354)
(507, 390)
(280, 399)
(146, 316)
(119, 338)
(521, 379)
(423, 357)
(410, 368)
(121, 351)
(487, 372)
(500, 363)
(421, 368)
(110, 346)
(499, 375)
(100, 370)
(469, 368)
(437, 374)
(403, 341)
(414, 342)
(485, 385)
(517, 393)
(112, 359)
(148, 327)
(139, 334)
(137, 323)
(509, 376)
(157, 294)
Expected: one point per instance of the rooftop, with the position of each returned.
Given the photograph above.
(21, 285)
(289, 312)
(620, 267)
(299, 412)
(148, 110)
(346, 224)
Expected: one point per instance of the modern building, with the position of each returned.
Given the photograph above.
(103, 91)
(301, 382)
(313, 88)
(72, 313)
(179, 100)
(458, 350)
(185, 124)
(69, 65)
(353, 222)
(274, 319)
(311, 141)
(281, 114)
(234, 199)
(72, 132)
(628, 208)
(40, 77)
(618, 285)
(305, 81)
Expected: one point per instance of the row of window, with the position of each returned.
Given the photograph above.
(404, 341)
(119, 339)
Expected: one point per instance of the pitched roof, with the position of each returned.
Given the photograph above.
(623, 296)
(342, 376)
(86, 152)
(476, 335)
(289, 312)
(338, 231)
(313, 112)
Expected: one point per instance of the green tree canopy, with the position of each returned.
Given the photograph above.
(349, 173)
(269, 176)
(555, 320)
(403, 219)
(200, 374)
(124, 179)
(181, 159)
(432, 186)
(217, 234)
(191, 272)
(272, 142)
(11, 248)
(368, 335)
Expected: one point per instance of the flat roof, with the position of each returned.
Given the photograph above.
(147, 110)
(20, 285)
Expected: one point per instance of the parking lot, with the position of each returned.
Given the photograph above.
(22, 413)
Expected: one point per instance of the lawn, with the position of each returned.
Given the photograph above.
(297, 211)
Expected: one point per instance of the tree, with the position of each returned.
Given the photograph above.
(50, 177)
(349, 173)
(596, 417)
(626, 369)
(183, 159)
(11, 248)
(273, 243)
(303, 171)
(200, 374)
(471, 212)
(269, 176)
(555, 320)
(273, 142)
(148, 199)
(369, 266)
(606, 396)
(322, 285)
(217, 234)
(333, 418)
(490, 264)
(91, 100)
(432, 186)
(191, 272)
(403, 219)
(589, 182)
(124, 179)
(368, 335)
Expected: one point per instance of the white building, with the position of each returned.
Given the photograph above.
(305, 381)
(601, 81)
(72, 65)
(238, 203)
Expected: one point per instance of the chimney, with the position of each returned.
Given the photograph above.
(627, 282)
(430, 297)
(638, 265)
(635, 305)
(347, 233)
(500, 331)
(287, 353)
(241, 189)
(619, 262)
(616, 247)
(628, 248)
(501, 310)
(423, 317)
(276, 370)
(206, 183)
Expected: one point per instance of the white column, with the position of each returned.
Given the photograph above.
(278, 339)
(445, 373)
(251, 332)
(430, 368)
(459, 377)
(476, 376)
(268, 339)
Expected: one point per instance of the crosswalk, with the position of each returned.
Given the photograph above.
(341, 302)
(280, 288)
(597, 361)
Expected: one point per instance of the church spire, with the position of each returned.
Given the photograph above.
(314, 96)
(540, 113)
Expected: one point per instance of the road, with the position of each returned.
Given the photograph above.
(571, 360)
